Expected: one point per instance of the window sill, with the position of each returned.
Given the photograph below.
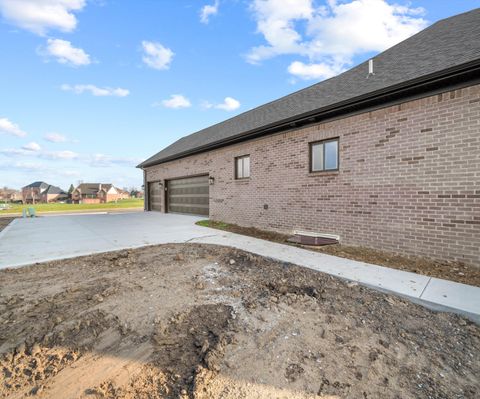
(243, 179)
(324, 173)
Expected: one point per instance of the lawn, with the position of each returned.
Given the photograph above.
(57, 207)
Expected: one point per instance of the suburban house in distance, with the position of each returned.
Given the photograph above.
(96, 193)
(10, 195)
(385, 155)
(40, 191)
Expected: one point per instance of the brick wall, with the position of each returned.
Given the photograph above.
(50, 197)
(116, 197)
(90, 201)
(409, 179)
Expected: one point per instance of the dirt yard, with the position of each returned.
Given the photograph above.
(199, 321)
(454, 271)
(4, 222)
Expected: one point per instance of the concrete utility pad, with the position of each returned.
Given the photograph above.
(27, 241)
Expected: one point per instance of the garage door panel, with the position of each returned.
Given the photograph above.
(189, 195)
(193, 210)
(189, 201)
(155, 196)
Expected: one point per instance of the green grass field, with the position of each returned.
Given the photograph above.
(39, 208)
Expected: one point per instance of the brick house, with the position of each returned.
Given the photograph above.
(96, 193)
(10, 195)
(41, 192)
(385, 155)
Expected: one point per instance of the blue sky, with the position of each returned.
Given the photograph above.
(89, 88)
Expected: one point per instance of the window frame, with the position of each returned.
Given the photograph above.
(236, 159)
(310, 161)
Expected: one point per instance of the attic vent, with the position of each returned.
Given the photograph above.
(370, 68)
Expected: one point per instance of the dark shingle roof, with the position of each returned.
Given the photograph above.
(36, 184)
(92, 188)
(54, 190)
(446, 44)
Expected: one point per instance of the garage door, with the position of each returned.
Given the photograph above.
(189, 195)
(155, 196)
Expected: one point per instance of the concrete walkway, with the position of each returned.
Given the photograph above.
(27, 241)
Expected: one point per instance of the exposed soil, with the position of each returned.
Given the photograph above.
(4, 222)
(453, 271)
(200, 321)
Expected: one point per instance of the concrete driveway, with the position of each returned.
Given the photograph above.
(39, 239)
(26, 241)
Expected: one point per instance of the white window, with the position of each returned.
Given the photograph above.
(324, 155)
(242, 167)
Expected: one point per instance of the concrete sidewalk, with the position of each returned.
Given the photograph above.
(27, 241)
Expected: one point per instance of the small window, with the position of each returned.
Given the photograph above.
(242, 167)
(324, 155)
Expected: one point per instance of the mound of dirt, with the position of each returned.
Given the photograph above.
(448, 270)
(4, 222)
(198, 321)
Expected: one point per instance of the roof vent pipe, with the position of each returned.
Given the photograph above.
(370, 68)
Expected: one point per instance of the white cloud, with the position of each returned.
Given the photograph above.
(66, 154)
(69, 173)
(48, 172)
(27, 166)
(318, 71)
(32, 146)
(362, 26)
(156, 56)
(207, 11)
(175, 101)
(38, 16)
(12, 152)
(229, 104)
(65, 53)
(96, 91)
(55, 138)
(102, 160)
(8, 127)
(31, 150)
(330, 36)
(276, 22)
(59, 168)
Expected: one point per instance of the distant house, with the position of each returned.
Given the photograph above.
(10, 195)
(124, 193)
(97, 193)
(40, 191)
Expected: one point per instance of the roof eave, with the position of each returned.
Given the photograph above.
(423, 83)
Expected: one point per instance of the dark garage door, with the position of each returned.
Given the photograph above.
(188, 195)
(155, 196)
